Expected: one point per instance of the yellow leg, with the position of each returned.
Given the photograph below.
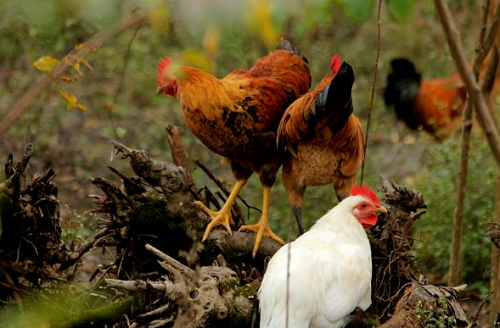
(262, 227)
(224, 215)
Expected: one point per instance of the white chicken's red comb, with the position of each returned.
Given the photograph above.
(364, 191)
(335, 64)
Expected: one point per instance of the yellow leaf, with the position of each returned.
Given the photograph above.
(67, 79)
(80, 46)
(261, 20)
(211, 40)
(76, 66)
(159, 18)
(196, 58)
(86, 64)
(71, 100)
(46, 63)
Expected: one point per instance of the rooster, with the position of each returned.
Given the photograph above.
(329, 268)
(237, 117)
(436, 105)
(324, 138)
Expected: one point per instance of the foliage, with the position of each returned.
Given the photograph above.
(65, 307)
(222, 36)
(437, 183)
(437, 317)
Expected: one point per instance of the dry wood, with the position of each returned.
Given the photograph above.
(181, 268)
(421, 299)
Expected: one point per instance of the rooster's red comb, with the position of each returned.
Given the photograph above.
(364, 191)
(164, 63)
(335, 63)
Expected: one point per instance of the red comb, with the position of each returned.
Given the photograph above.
(164, 63)
(364, 191)
(161, 66)
(335, 63)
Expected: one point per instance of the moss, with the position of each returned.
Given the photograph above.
(248, 291)
(229, 284)
(151, 222)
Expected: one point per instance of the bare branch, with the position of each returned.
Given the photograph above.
(22, 105)
(473, 90)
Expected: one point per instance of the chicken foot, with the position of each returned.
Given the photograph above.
(223, 216)
(262, 227)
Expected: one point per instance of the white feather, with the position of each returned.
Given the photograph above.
(330, 274)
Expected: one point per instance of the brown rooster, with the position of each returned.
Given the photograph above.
(237, 117)
(323, 137)
(435, 105)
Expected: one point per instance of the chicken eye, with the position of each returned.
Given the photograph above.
(364, 206)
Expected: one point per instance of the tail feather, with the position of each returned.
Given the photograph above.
(334, 102)
(338, 101)
(284, 44)
(331, 106)
(403, 84)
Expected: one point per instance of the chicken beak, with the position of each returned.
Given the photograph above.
(159, 91)
(381, 209)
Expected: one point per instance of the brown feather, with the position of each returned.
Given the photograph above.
(322, 154)
(237, 116)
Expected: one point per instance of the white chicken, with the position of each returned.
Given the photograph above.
(330, 268)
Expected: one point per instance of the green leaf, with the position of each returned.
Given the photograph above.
(46, 63)
(358, 10)
(401, 10)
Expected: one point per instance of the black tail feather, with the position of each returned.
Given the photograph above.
(334, 101)
(403, 75)
(339, 100)
(402, 88)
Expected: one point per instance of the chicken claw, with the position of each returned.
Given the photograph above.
(222, 217)
(262, 229)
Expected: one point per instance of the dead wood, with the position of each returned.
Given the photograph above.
(31, 248)
(211, 294)
(427, 305)
(391, 242)
(193, 284)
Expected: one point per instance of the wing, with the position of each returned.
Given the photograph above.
(271, 85)
(351, 286)
(322, 283)
(330, 105)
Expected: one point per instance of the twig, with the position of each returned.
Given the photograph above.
(478, 312)
(156, 311)
(121, 79)
(24, 103)
(17, 295)
(141, 285)
(236, 208)
(226, 192)
(473, 90)
(367, 131)
(173, 262)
